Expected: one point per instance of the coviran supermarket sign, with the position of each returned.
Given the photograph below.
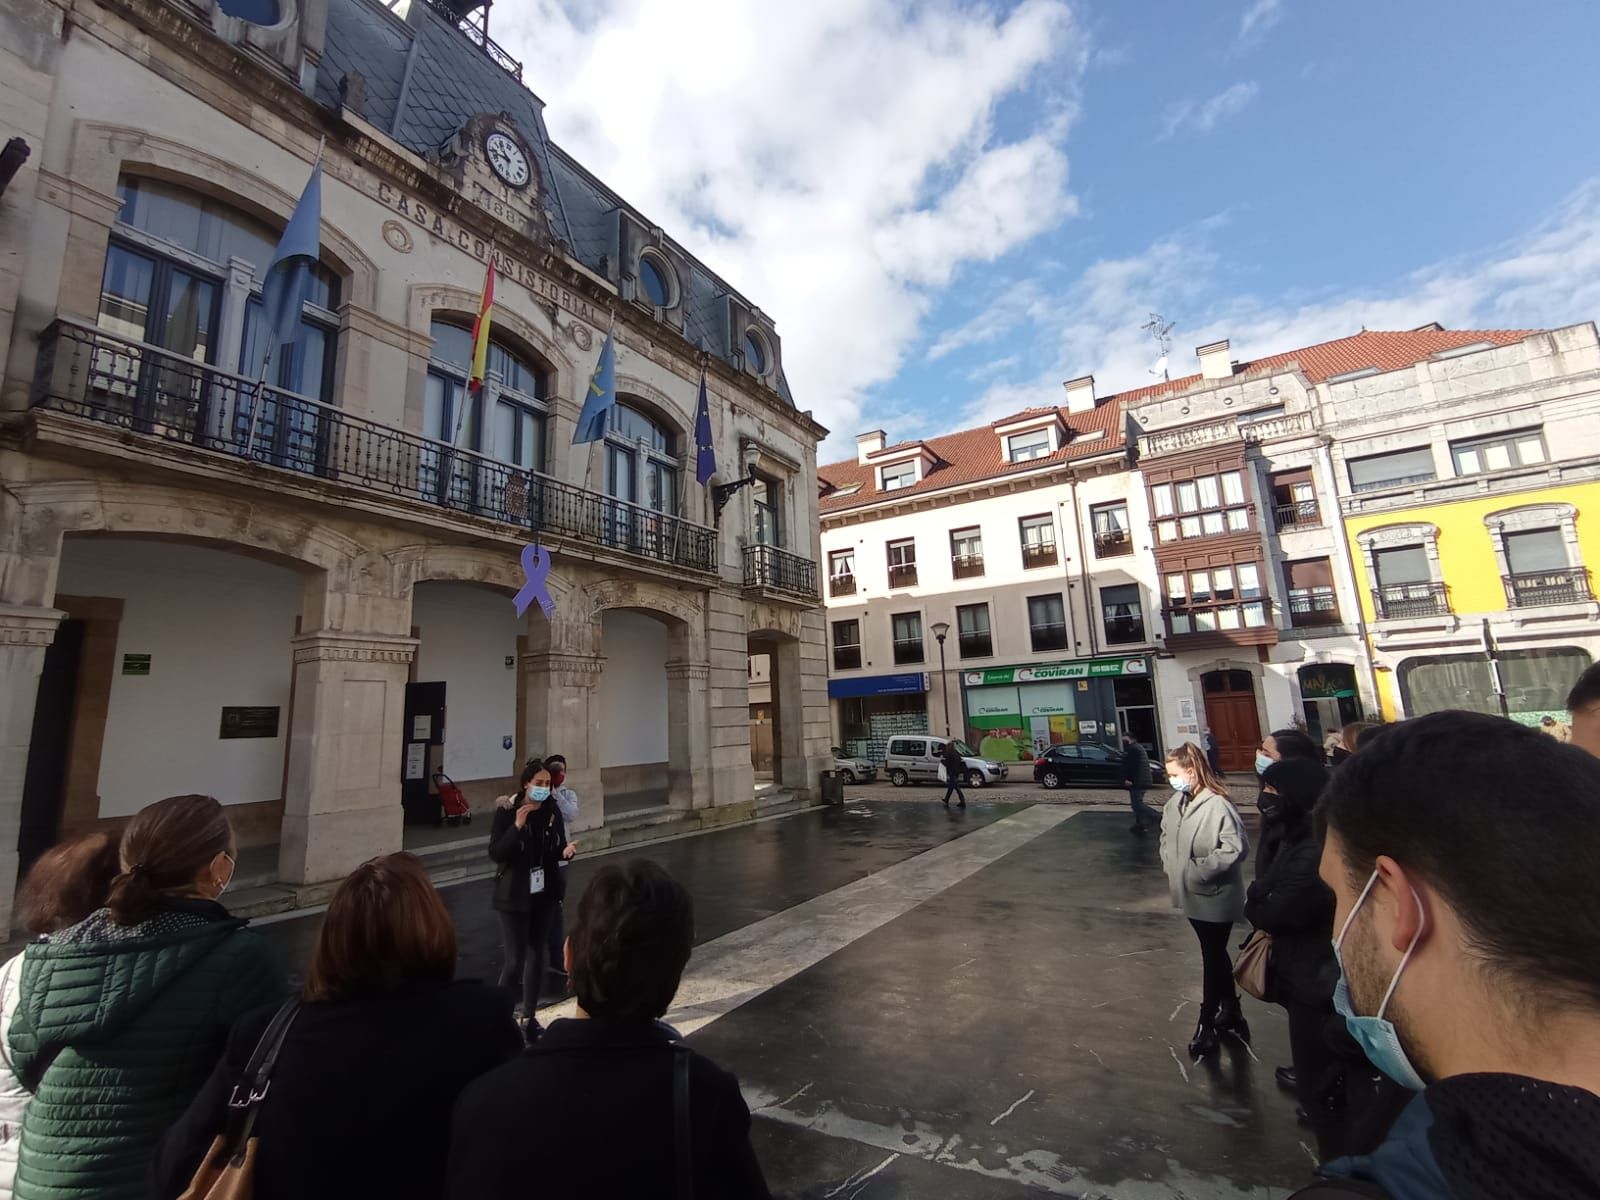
(1086, 668)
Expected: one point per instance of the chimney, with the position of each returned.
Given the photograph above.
(1214, 360)
(1080, 394)
(868, 444)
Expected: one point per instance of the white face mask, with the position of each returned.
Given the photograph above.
(233, 867)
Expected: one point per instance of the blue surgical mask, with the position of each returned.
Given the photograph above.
(1376, 1036)
(1262, 761)
(537, 794)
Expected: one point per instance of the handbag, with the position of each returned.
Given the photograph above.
(1250, 968)
(228, 1170)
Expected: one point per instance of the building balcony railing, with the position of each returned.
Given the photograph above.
(902, 575)
(846, 658)
(1531, 589)
(1052, 636)
(966, 566)
(908, 650)
(1316, 608)
(479, 37)
(152, 393)
(779, 570)
(1038, 554)
(1112, 543)
(842, 585)
(1298, 514)
(975, 645)
(1398, 601)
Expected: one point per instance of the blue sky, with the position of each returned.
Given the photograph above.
(949, 208)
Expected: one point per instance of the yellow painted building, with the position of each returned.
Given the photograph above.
(1482, 602)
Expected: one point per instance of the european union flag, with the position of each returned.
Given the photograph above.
(705, 456)
(287, 280)
(601, 398)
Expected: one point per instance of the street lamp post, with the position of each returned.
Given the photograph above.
(940, 630)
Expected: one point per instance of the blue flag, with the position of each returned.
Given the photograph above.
(287, 280)
(602, 397)
(705, 457)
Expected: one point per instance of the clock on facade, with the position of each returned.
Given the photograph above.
(507, 159)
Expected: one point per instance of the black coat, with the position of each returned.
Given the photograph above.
(1289, 900)
(587, 1111)
(1136, 765)
(360, 1102)
(538, 844)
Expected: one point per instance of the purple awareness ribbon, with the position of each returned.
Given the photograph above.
(536, 567)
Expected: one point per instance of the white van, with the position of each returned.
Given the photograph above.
(916, 760)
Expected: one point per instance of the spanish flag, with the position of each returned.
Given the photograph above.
(480, 330)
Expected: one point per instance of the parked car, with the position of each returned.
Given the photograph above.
(1088, 764)
(916, 760)
(854, 770)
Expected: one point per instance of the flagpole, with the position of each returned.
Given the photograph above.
(588, 463)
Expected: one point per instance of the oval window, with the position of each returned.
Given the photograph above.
(653, 280)
(755, 353)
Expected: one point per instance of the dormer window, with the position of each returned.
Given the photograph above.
(657, 279)
(1024, 447)
(896, 476)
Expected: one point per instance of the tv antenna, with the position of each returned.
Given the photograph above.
(1160, 328)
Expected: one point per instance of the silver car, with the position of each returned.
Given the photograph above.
(854, 770)
(916, 760)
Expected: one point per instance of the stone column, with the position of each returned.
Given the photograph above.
(789, 714)
(342, 803)
(561, 708)
(26, 631)
(689, 734)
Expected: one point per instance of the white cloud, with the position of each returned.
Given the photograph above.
(837, 161)
(1547, 277)
(1261, 16)
(1204, 115)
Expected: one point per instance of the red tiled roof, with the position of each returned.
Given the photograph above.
(970, 455)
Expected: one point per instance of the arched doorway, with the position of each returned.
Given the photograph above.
(1230, 697)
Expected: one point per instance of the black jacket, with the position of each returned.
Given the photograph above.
(360, 1102)
(587, 1111)
(1289, 900)
(1136, 765)
(538, 844)
(955, 767)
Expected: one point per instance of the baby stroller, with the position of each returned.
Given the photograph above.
(456, 809)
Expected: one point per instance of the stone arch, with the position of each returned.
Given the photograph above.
(657, 403)
(430, 302)
(103, 152)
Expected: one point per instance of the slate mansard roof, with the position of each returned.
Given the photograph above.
(425, 79)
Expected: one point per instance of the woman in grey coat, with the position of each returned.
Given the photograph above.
(1203, 848)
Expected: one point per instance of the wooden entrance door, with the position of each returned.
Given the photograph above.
(1231, 713)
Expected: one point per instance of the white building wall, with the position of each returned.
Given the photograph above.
(467, 633)
(217, 628)
(633, 690)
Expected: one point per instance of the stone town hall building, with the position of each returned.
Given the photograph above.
(298, 599)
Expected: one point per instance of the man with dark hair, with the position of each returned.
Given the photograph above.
(1460, 851)
(595, 1107)
(1583, 706)
(1136, 778)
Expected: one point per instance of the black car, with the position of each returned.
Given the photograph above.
(1087, 764)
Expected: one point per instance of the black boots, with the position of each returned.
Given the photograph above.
(1230, 1020)
(1204, 1043)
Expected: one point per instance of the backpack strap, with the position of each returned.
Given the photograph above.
(681, 1123)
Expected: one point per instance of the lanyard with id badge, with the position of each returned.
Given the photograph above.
(536, 881)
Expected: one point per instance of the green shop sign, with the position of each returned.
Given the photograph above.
(1083, 668)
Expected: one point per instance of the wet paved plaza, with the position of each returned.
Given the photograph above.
(992, 1003)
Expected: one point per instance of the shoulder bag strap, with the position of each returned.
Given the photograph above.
(681, 1123)
(245, 1102)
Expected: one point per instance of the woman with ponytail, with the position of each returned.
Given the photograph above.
(121, 1017)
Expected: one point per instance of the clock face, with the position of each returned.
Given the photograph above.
(507, 159)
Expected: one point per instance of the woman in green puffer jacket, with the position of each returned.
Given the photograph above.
(122, 1017)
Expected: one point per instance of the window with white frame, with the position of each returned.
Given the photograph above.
(1205, 506)
(1216, 599)
(1024, 447)
(1524, 448)
(896, 476)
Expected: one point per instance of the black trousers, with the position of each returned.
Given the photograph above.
(1316, 1074)
(1216, 965)
(527, 949)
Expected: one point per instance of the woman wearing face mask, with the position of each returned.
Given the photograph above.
(1289, 901)
(1203, 847)
(529, 842)
(122, 1016)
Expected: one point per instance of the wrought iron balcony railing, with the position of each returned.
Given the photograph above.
(769, 567)
(1531, 589)
(902, 575)
(846, 658)
(842, 585)
(1038, 554)
(1297, 514)
(908, 650)
(88, 373)
(1112, 543)
(1397, 601)
(966, 566)
(1313, 608)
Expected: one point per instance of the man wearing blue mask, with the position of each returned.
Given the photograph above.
(1460, 850)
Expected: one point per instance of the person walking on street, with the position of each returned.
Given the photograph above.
(122, 1016)
(1203, 848)
(567, 802)
(384, 1040)
(1213, 751)
(67, 883)
(528, 842)
(955, 769)
(611, 1103)
(1460, 851)
(1136, 778)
